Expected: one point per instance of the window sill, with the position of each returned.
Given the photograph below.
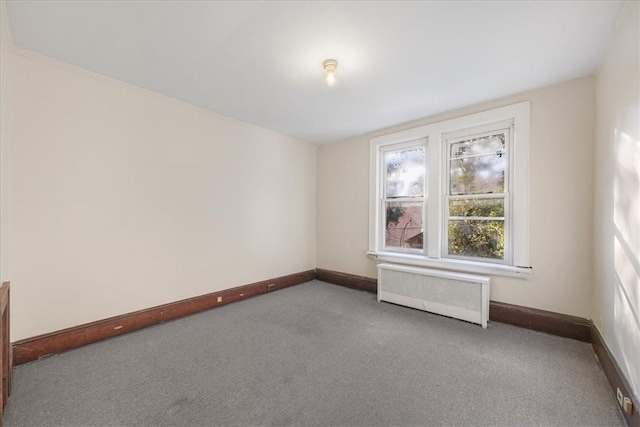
(452, 264)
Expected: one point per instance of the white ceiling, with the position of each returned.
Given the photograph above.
(260, 62)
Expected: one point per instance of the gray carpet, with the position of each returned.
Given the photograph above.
(317, 354)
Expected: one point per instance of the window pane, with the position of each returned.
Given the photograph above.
(477, 165)
(476, 238)
(492, 144)
(405, 173)
(477, 175)
(404, 225)
(476, 207)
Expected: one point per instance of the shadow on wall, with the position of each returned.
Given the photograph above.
(626, 216)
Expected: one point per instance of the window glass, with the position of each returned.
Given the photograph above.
(476, 238)
(477, 207)
(404, 173)
(477, 165)
(404, 225)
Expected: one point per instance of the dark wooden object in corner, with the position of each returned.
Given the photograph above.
(55, 342)
(5, 348)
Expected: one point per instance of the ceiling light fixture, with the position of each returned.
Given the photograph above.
(329, 74)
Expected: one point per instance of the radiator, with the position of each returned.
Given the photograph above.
(459, 295)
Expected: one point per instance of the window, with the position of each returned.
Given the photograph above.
(454, 194)
(404, 196)
(477, 193)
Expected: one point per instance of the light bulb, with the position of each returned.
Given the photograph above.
(329, 74)
(331, 78)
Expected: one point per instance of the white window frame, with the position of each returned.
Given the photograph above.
(434, 254)
(420, 143)
(507, 127)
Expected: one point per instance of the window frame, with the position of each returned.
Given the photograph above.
(403, 146)
(506, 127)
(434, 135)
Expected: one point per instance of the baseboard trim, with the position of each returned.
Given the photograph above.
(549, 322)
(34, 348)
(616, 377)
(352, 281)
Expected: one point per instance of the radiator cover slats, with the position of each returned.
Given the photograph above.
(460, 295)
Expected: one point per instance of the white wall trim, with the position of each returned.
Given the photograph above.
(449, 264)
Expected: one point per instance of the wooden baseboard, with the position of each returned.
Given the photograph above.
(549, 322)
(360, 283)
(55, 342)
(615, 376)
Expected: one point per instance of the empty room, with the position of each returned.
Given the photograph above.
(319, 213)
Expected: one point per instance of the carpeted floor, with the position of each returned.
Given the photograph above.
(317, 354)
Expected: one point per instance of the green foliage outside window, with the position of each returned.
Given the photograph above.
(477, 237)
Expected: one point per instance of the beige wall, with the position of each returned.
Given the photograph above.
(616, 305)
(122, 199)
(561, 151)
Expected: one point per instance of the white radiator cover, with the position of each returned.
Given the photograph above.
(459, 295)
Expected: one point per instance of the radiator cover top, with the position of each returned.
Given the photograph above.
(459, 295)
